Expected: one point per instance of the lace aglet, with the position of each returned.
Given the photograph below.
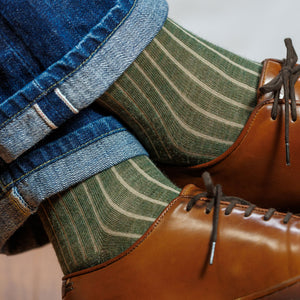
(287, 154)
(212, 253)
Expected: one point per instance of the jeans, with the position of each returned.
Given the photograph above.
(56, 58)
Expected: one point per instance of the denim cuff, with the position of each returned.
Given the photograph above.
(80, 77)
(57, 165)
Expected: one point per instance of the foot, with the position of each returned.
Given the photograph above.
(195, 104)
(101, 217)
(264, 160)
(203, 245)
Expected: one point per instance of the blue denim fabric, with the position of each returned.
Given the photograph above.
(50, 29)
(80, 76)
(57, 61)
(89, 144)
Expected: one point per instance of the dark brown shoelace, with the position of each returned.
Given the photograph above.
(286, 78)
(215, 194)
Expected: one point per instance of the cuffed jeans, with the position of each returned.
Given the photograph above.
(56, 58)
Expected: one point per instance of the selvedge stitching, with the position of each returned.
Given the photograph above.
(68, 75)
(17, 205)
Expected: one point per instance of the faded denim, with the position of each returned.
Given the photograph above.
(80, 65)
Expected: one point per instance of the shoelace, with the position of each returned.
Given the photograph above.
(287, 78)
(215, 194)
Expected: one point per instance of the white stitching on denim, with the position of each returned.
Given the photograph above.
(72, 72)
(18, 201)
(44, 117)
(62, 97)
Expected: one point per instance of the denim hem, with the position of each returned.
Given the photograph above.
(79, 77)
(24, 194)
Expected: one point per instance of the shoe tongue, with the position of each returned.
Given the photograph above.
(271, 69)
(191, 190)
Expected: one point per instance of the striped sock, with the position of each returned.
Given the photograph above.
(98, 219)
(186, 99)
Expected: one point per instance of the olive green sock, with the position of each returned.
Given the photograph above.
(98, 219)
(186, 99)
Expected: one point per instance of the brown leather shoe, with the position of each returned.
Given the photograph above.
(256, 255)
(259, 166)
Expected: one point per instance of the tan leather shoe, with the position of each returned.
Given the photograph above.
(259, 166)
(256, 255)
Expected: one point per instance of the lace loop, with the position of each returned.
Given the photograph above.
(287, 218)
(215, 194)
(287, 79)
(249, 210)
(269, 214)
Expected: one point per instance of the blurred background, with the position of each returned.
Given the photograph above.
(253, 29)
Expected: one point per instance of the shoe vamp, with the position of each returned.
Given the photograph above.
(252, 256)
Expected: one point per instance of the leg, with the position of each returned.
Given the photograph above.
(186, 99)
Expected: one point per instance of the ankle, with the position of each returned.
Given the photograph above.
(186, 99)
(98, 219)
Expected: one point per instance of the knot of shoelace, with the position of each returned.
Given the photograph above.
(215, 194)
(286, 78)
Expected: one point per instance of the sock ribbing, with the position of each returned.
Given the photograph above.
(98, 219)
(186, 99)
